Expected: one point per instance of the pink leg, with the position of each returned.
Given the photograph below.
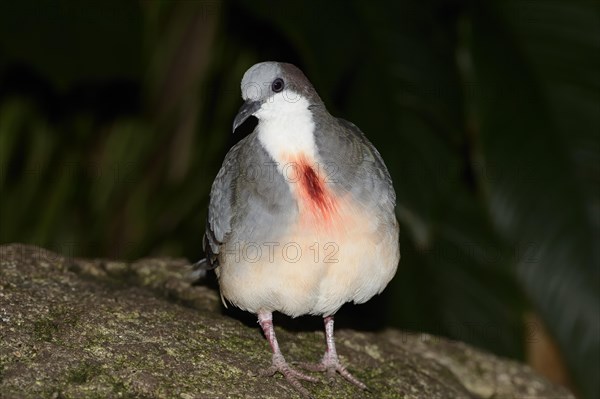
(265, 319)
(330, 362)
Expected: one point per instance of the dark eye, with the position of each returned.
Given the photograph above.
(277, 85)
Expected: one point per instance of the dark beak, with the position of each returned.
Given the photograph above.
(247, 109)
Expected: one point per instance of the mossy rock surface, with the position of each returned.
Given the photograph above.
(76, 328)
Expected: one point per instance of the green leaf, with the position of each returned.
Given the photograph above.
(535, 62)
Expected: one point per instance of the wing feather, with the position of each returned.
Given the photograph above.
(220, 214)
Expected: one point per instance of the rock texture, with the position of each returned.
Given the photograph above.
(72, 328)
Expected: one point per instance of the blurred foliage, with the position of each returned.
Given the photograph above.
(115, 116)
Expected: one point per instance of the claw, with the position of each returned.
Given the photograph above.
(331, 365)
(292, 375)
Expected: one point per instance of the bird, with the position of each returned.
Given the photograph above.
(301, 216)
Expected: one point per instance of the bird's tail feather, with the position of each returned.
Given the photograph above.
(198, 270)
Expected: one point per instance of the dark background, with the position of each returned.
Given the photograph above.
(116, 115)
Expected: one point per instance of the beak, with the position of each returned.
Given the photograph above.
(247, 109)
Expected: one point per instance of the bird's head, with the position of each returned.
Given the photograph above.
(274, 90)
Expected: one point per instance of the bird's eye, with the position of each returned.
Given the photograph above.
(277, 85)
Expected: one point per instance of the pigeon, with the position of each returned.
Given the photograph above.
(301, 216)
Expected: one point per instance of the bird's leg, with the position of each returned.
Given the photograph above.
(265, 319)
(330, 362)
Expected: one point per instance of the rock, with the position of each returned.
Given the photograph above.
(75, 328)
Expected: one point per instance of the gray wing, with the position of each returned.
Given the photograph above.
(249, 201)
(218, 222)
(354, 165)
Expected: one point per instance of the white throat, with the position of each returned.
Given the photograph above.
(286, 128)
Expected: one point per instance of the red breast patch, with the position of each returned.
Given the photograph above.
(317, 203)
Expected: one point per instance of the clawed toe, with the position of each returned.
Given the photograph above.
(292, 376)
(348, 376)
(333, 367)
(287, 372)
(319, 367)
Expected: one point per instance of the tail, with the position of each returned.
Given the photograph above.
(199, 269)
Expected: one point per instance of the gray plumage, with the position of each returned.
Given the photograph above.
(248, 183)
(352, 164)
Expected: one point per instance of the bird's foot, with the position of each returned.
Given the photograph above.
(293, 376)
(331, 365)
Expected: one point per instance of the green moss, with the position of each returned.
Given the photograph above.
(45, 329)
(123, 392)
(83, 373)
